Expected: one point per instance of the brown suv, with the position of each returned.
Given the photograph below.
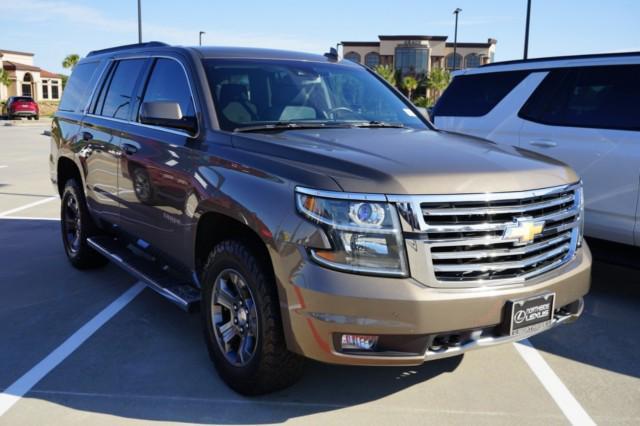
(310, 210)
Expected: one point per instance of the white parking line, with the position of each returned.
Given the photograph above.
(20, 387)
(28, 206)
(552, 383)
(28, 218)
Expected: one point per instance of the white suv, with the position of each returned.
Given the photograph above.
(581, 110)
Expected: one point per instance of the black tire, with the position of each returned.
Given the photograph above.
(271, 366)
(76, 226)
(37, 117)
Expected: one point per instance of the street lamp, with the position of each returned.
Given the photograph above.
(139, 22)
(526, 31)
(455, 40)
(200, 37)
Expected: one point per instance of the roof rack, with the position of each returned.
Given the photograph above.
(127, 46)
(557, 58)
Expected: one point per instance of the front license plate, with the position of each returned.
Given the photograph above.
(530, 315)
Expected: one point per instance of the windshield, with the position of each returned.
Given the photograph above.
(255, 92)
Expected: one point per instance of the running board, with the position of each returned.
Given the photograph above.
(157, 277)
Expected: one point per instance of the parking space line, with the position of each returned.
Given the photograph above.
(28, 206)
(28, 218)
(571, 408)
(20, 387)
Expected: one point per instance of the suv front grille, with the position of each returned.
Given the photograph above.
(472, 241)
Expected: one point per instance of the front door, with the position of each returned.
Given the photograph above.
(155, 179)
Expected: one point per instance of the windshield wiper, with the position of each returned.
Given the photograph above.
(289, 126)
(380, 124)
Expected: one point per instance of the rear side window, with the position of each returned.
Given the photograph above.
(117, 96)
(606, 97)
(168, 82)
(78, 88)
(477, 94)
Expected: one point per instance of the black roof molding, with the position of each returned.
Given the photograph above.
(361, 43)
(128, 47)
(560, 58)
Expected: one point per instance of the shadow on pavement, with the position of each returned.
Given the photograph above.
(607, 335)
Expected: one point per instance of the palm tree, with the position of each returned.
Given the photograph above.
(387, 72)
(438, 80)
(409, 83)
(70, 61)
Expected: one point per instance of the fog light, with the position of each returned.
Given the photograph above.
(358, 342)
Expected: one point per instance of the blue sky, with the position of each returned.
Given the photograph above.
(52, 29)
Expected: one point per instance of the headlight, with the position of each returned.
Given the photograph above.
(365, 235)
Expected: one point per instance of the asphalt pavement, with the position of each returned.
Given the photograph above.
(95, 347)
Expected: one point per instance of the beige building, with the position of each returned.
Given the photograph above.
(28, 79)
(418, 54)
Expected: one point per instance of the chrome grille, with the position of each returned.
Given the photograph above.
(467, 239)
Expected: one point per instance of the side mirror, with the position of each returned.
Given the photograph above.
(166, 114)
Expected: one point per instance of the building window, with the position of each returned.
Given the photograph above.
(450, 61)
(372, 59)
(54, 90)
(45, 91)
(353, 56)
(412, 60)
(472, 60)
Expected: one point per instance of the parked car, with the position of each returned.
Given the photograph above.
(21, 106)
(582, 110)
(310, 210)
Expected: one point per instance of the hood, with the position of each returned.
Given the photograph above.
(408, 161)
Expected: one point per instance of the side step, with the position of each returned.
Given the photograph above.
(157, 277)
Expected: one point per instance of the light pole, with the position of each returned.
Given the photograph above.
(526, 31)
(455, 40)
(200, 37)
(139, 22)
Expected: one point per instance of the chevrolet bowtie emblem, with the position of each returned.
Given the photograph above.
(523, 229)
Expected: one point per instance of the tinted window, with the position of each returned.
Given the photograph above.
(598, 97)
(117, 101)
(78, 88)
(168, 82)
(477, 94)
(259, 91)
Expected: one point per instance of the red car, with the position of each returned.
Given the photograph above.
(21, 106)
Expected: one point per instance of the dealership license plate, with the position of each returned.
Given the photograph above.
(530, 315)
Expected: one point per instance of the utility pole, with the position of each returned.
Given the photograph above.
(139, 22)
(200, 37)
(526, 31)
(455, 40)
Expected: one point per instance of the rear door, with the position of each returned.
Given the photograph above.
(155, 177)
(589, 118)
(101, 137)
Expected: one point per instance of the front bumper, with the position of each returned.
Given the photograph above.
(321, 304)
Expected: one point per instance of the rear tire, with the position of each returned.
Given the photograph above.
(76, 226)
(242, 323)
(37, 117)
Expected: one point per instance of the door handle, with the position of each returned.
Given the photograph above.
(87, 136)
(129, 149)
(544, 143)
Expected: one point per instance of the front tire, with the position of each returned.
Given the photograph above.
(242, 323)
(77, 225)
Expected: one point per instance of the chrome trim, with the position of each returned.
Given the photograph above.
(482, 254)
(501, 266)
(497, 210)
(352, 196)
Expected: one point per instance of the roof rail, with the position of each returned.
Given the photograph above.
(559, 58)
(127, 46)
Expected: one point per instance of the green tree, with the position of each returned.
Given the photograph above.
(70, 61)
(409, 84)
(64, 79)
(438, 80)
(4, 78)
(387, 72)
